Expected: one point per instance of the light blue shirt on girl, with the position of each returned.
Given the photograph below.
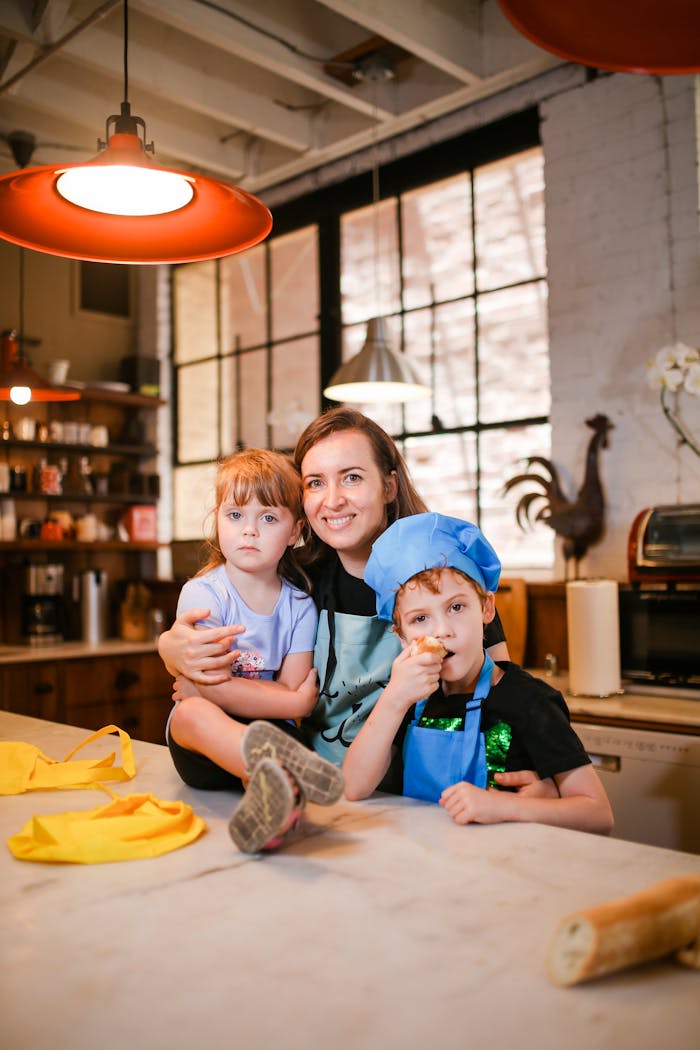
(289, 628)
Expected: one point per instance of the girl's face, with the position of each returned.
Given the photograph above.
(253, 537)
(346, 496)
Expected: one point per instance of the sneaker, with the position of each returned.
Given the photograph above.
(269, 809)
(319, 781)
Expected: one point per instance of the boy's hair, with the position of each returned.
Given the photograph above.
(272, 479)
(387, 458)
(431, 580)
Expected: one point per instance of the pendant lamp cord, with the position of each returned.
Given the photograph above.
(20, 334)
(375, 193)
(126, 50)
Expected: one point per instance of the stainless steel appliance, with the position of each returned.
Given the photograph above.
(660, 609)
(653, 781)
(664, 545)
(43, 607)
(91, 590)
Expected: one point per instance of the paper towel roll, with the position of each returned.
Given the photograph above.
(594, 637)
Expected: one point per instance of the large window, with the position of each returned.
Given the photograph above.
(246, 356)
(461, 276)
(457, 265)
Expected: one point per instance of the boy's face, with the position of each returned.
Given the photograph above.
(455, 616)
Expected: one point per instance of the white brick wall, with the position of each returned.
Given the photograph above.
(619, 207)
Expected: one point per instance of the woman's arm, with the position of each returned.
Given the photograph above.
(583, 804)
(202, 654)
(413, 677)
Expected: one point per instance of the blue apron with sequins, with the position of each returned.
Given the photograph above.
(434, 759)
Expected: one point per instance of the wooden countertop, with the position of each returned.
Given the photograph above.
(20, 654)
(384, 925)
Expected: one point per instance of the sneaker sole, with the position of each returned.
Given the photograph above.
(320, 781)
(264, 809)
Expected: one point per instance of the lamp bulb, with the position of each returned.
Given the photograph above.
(20, 395)
(124, 189)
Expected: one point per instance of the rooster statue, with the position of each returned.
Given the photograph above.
(579, 523)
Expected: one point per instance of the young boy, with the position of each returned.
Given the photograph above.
(454, 716)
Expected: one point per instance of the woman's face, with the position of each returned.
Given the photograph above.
(346, 496)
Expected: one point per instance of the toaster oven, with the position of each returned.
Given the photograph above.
(664, 544)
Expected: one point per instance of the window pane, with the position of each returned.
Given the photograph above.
(243, 285)
(195, 312)
(437, 242)
(254, 399)
(514, 353)
(509, 210)
(447, 334)
(502, 453)
(294, 283)
(230, 405)
(296, 382)
(369, 279)
(193, 497)
(197, 419)
(443, 468)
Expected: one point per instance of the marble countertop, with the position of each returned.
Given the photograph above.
(384, 925)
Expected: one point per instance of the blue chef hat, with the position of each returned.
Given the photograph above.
(428, 541)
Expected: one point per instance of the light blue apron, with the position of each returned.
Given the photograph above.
(436, 758)
(353, 668)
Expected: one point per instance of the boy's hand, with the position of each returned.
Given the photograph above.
(467, 804)
(414, 677)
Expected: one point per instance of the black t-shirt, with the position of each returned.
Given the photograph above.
(541, 735)
(334, 588)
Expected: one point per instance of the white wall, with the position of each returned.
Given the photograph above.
(621, 177)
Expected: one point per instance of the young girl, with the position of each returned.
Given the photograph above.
(246, 586)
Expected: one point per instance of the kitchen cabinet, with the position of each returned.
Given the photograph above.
(105, 443)
(130, 690)
(31, 689)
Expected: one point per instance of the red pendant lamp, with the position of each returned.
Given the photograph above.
(625, 36)
(120, 207)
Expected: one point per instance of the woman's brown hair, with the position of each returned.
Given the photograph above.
(272, 479)
(386, 456)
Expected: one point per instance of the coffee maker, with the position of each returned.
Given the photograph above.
(43, 607)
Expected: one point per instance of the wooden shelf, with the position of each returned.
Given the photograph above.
(125, 498)
(139, 451)
(122, 546)
(117, 398)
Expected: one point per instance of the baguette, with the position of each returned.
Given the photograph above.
(661, 919)
(427, 644)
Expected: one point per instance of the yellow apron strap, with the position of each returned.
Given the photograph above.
(26, 768)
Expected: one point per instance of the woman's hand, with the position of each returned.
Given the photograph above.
(526, 782)
(202, 654)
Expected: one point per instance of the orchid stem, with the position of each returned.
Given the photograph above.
(685, 440)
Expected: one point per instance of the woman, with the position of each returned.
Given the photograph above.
(355, 484)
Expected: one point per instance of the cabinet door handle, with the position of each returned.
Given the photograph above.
(124, 679)
(42, 688)
(131, 722)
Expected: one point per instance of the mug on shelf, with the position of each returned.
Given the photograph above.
(25, 429)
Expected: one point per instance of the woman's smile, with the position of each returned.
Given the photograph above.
(346, 496)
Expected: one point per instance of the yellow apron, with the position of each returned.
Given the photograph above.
(128, 828)
(23, 767)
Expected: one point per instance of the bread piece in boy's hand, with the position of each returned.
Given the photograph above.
(427, 644)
